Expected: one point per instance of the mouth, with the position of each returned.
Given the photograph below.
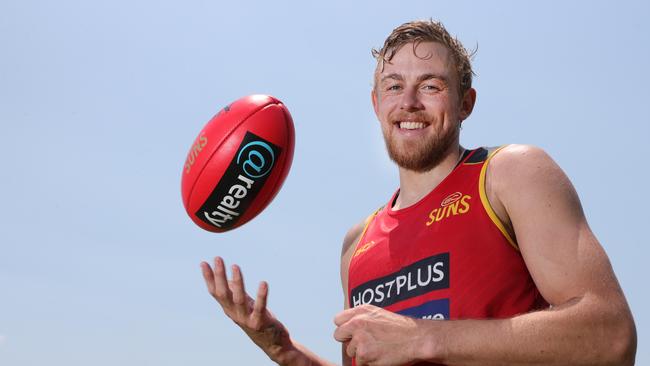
(411, 125)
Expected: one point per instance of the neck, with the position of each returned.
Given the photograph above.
(415, 185)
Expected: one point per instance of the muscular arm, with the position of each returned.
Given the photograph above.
(589, 322)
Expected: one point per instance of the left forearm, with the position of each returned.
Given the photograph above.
(580, 332)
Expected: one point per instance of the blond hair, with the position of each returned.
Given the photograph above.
(428, 31)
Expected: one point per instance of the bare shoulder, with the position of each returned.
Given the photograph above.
(513, 160)
(349, 243)
(517, 172)
(352, 236)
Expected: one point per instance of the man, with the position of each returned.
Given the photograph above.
(493, 240)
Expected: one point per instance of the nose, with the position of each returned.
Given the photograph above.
(411, 100)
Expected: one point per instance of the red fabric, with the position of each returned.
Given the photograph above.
(484, 276)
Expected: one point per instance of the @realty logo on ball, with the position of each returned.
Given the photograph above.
(259, 158)
(240, 184)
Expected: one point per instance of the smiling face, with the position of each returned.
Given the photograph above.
(418, 103)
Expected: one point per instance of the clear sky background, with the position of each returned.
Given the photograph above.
(101, 100)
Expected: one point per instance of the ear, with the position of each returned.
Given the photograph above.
(374, 97)
(467, 104)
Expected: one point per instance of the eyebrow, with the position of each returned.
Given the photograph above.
(420, 78)
(393, 76)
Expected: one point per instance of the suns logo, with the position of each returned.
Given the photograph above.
(198, 146)
(453, 205)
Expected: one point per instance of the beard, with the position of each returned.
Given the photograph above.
(423, 154)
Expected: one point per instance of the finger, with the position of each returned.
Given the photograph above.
(238, 290)
(259, 307)
(345, 315)
(221, 289)
(260, 301)
(343, 333)
(208, 276)
(351, 349)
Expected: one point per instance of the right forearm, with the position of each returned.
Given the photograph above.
(298, 355)
(252, 316)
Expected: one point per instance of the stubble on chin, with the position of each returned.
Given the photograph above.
(420, 155)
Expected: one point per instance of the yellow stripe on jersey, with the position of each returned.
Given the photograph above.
(486, 203)
(363, 233)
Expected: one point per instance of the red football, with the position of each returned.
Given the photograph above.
(238, 163)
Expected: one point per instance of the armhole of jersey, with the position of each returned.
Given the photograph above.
(486, 203)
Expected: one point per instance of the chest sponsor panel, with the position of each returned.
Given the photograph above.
(434, 309)
(426, 275)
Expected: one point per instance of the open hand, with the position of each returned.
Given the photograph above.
(250, 315)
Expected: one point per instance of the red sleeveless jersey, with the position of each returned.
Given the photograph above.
(446, 257)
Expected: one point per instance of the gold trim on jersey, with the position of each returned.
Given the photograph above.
(358, 250)
(486, 203)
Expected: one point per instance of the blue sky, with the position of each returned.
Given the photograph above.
(100, 102)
